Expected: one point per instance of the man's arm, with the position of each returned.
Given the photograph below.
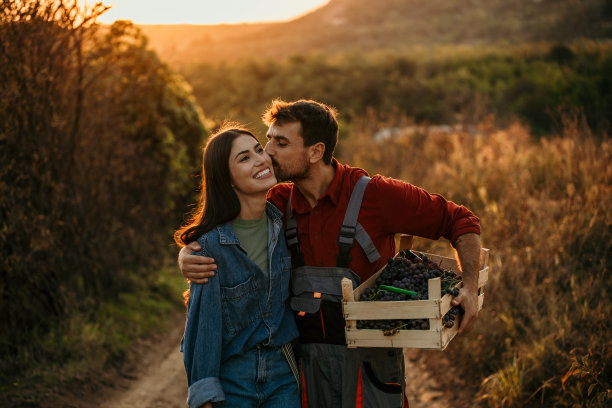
(468, 253)
(194, 267)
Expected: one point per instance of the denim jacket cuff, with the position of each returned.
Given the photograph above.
(205, 390)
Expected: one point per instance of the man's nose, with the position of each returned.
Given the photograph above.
(269, 149)
(259, 159)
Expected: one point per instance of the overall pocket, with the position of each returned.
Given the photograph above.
(316, 297)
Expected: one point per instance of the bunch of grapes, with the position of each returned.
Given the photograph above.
(406, 278)
(390, 327)
(449, 318)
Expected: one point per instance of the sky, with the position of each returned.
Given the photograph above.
(204, 11)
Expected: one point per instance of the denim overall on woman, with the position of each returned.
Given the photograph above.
(237, 324)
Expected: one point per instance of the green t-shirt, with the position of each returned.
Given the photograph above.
(253, 237)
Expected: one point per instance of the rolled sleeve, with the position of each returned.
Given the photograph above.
(203, 391)
(408, 209)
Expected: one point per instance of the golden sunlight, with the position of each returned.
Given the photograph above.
(205, 11)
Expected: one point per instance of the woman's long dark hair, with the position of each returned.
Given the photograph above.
(218, 201)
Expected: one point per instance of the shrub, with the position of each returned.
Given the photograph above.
(97, 139)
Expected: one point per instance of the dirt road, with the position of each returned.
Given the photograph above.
(156, 377)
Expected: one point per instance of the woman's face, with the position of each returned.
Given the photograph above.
(250, 167)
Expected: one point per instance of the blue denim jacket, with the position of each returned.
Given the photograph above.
(238, 309)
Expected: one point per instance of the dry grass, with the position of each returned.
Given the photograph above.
(546, 213)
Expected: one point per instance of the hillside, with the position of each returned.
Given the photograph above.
(364, 25)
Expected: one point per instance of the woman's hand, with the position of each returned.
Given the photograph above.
(194, 267)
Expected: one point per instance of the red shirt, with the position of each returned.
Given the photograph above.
(389, 206)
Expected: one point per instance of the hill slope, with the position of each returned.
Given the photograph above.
(364, 25)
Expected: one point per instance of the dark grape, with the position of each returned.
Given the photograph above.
(410, 271)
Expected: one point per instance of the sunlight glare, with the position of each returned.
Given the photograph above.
(205, 12)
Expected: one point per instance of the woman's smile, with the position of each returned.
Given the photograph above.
(265, 173)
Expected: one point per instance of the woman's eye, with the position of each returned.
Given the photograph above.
(260, 149)
(244, 158)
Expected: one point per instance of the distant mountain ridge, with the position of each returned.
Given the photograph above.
(366, 25)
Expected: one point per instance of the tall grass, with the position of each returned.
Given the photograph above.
(543, 338)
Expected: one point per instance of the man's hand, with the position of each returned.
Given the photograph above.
(195, 268)
(468, 299)
(468, 252)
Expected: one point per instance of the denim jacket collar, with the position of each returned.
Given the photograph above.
(228, 237)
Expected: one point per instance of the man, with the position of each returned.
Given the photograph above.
(302, 136)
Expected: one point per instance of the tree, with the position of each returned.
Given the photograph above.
(97, 141)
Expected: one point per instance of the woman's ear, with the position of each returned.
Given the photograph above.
(316, 153)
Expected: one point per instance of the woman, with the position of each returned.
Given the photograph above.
(239, 325)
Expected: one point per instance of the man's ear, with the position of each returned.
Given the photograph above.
(316, 152)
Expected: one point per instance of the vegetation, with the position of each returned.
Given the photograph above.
(364, 26)
(543, 337)
(526, 83)
(97, 142)
(99, 139)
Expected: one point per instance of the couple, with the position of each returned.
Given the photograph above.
(242, 316)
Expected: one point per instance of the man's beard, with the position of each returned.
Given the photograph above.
(291, 174)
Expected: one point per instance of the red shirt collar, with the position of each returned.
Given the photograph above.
(301, 206)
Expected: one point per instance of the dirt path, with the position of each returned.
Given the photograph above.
(432, 381)
(155, 377)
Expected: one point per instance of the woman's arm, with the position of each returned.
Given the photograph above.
(202, 344)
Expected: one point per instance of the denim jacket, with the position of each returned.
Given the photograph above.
(238, 309)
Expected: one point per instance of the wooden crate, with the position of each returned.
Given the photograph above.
(436, 338)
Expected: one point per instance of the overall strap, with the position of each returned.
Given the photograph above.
(351, 229)
(291, 236)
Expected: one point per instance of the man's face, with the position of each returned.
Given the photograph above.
(286, 148)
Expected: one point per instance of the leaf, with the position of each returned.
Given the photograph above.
(569, 374)
(591, 388)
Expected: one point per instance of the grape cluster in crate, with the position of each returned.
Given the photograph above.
(406, 278)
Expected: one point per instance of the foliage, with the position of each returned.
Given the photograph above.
(543, 337)
(92, 351)
(97, 139)
(526, 83)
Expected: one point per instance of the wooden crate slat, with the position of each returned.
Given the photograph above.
(445, 304)
(444, 262)
(405, 338)
(367, 284)
(483, 276)
(414, 309)
(448, 334)
(418, 344)
(484, 257)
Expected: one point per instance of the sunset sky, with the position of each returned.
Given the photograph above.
(205, 11)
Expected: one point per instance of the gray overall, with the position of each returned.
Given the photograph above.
(331, 370)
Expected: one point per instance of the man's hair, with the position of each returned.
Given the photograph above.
(318, 122)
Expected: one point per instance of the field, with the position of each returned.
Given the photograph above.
(100, 146)
(543, 337)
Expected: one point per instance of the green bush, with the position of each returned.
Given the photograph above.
(530, 84)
